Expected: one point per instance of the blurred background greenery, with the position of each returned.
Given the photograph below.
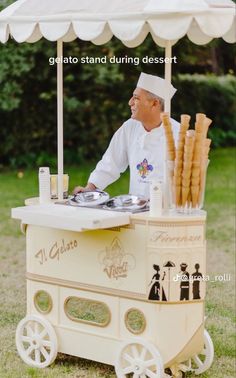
(96, 96)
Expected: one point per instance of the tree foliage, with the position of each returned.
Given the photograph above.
(95, 95)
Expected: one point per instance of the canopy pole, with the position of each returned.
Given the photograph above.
(60, 118)
(167, 108)
(168, 55)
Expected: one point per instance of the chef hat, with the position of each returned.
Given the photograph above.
(156, 85)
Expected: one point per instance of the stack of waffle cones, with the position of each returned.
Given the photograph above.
(170, 143)
(188, 173)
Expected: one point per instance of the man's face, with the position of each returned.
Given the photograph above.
(140, 105)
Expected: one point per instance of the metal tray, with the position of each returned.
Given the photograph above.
(125, 202)
(89, 198)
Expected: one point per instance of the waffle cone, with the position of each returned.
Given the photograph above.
(169, 134)
(206, 125)
(178, 167)
(188, 154)
(180, 146)
(196, 164)
(196, 172)
(186, 182)
(202, 183)
(184, 122)
(194, 194)
(189, 199)
(207, 144)
(177, 195)
(200, 117)
(165, 117)
(189, 140)
(182, 134)
(171, 155)
(187, 166)
(195, 181)
(190, 133)
(178, 163)
(179, 155)
(186, 176)
(177, 180)
(185, 192)
(199, 136)
(197, 155)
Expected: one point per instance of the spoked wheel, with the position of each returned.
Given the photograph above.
(139, 359)
(202, 361)
(36, 341)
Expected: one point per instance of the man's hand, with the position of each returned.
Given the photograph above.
(79, 189)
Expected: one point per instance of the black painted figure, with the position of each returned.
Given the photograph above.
(155, 289)
(184, 283)
(197, 278)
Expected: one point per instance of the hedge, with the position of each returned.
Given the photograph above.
(212, 95)
(94, 111)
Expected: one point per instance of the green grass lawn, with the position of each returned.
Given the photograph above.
(220, 302)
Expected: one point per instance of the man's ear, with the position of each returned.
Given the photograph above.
(157, 103)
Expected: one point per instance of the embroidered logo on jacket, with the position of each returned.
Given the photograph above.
(144, 168)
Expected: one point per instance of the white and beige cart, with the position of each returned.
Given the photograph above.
(119, 288)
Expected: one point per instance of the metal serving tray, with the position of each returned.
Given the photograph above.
(100, 200)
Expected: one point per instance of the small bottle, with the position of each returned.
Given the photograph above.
(155, 198)
(44, 185)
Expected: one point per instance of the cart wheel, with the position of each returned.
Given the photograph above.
(202, 361)
(36, 341)
(140, 358)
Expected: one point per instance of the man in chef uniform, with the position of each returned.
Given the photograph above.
(139, 143)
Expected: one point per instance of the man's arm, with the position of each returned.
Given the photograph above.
(89, 186)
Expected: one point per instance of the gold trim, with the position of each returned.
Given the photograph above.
(37, 306)
(85, 287)
(116, 229)
(138, 221)
(177, 224)
(128, 326)
(103, 325)
(101, 290)
(130, 226)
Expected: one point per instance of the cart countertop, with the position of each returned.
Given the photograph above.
(69, 218)
(81, 219)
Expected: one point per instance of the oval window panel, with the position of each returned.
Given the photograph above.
(43, 302)
(87, 311)
(135, 321)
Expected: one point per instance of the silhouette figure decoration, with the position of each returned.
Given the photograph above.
(155, 289)
(197, 277)
(157, 292)
(184, 283)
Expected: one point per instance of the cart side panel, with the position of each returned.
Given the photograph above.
(177, 274)
(148, 311)
(35, 287)
(176, 326)
(105, 258)
(89, 346)
(110, 302)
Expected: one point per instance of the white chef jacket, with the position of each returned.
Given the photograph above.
(142, 151)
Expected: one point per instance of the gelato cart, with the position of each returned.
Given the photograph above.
(122, 281)
(122, 288)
